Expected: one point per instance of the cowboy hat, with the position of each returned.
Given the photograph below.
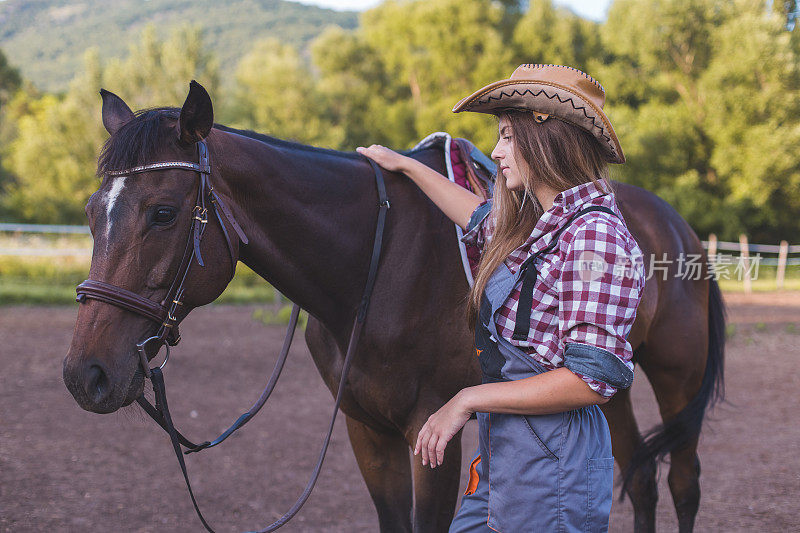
(551, 90)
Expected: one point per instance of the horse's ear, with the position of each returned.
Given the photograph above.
(116, 113)
(197, 115)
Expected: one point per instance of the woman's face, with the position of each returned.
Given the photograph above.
(503, 153)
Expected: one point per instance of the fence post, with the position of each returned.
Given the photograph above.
(711, 255)
(744, 251)
(783, 251)
(712, 247)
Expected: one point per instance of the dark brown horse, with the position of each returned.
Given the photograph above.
(309, 214)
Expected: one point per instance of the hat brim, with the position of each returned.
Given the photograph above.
(550, 98)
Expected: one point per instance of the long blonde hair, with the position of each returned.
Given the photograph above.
(555, 153)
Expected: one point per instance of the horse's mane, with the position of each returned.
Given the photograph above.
(137, 141)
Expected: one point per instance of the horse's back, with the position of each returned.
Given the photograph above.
(669, 246)
(654, 223)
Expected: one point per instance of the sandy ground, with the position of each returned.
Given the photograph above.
(63, 469)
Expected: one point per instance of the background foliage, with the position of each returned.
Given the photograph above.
(704, 94)
(47, 37)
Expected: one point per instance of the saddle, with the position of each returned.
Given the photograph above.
(480, 170)
(471, 168)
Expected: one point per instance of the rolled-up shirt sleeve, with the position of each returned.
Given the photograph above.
(600, 286)
(480, 226)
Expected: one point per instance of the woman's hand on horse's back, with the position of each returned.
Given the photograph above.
(385, 157)
(455, 201)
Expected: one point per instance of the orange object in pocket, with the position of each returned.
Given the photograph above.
(473, 476)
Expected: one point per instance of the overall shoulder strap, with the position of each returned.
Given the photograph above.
(529, 274)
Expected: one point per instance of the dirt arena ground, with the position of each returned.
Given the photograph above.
(63, 469)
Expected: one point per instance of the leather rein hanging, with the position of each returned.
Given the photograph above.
(166, 314)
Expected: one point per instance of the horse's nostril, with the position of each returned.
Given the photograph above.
(97, 385)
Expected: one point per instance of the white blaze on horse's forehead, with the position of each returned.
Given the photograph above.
(110, 200)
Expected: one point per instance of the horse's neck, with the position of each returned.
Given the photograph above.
(310, 219)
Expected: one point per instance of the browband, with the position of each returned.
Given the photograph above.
(161, 166)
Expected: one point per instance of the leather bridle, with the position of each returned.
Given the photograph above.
(166, 314)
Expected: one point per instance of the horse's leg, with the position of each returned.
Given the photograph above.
(675, 368)
(384, 464)
(436, 489)
(625, 437)
(382, 456)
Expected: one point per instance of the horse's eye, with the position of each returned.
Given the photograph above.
(163, 216)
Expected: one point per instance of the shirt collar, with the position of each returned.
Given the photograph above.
(578, 195)
(564, 204)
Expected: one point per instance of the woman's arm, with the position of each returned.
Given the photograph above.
(554, 391)
(455, 201)
(549, 392)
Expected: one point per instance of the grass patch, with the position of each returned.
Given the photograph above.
(13, 293)
(52, 281)
(759, 285)
(271, 316)
(765, 281)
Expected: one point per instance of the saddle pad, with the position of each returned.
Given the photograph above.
(459, 167)
(456, 162)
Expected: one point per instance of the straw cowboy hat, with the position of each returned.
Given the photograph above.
(551, 90)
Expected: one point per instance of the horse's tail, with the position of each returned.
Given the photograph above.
(678, 432)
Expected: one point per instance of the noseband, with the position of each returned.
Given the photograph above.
(166, 313)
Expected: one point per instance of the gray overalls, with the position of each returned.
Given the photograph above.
(535, 473)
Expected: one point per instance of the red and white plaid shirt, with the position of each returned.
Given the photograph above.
(588, 287)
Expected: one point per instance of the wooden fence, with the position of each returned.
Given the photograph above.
(712, 245)
(23, 240)
(782, 250)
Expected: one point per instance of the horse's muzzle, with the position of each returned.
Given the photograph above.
(94, 387)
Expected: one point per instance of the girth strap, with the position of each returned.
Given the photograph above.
(523, 322)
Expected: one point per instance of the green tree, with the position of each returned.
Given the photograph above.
(708, 118)
(157, 72)
(360, 101)
(10, 80)
(275, 94)
(10, 85)
(437, 53)
(57, 138)
(549, 34)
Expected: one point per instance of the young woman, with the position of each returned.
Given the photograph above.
(554, 298)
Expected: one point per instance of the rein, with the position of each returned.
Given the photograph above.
(165, 313)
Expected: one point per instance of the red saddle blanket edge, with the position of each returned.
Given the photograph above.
(460, 177)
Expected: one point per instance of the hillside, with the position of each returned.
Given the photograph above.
(45, 39)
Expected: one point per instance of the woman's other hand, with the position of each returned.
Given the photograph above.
(385, 157)
(440, 428)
